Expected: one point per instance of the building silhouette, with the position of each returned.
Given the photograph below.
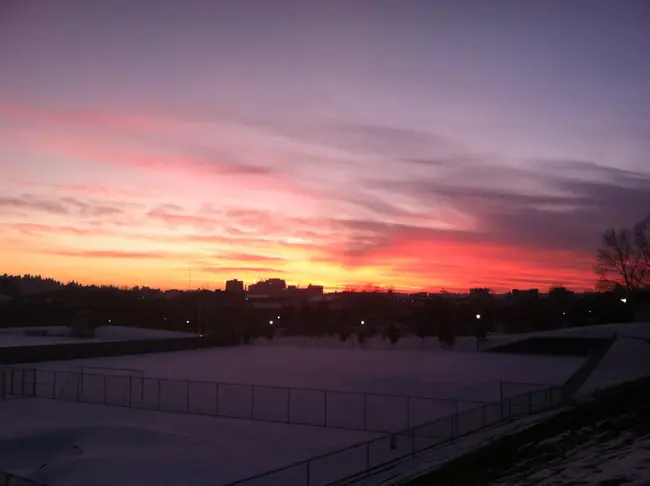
(235, 286)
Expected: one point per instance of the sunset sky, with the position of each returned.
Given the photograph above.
(412, 144)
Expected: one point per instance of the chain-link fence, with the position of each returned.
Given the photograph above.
(15, 383)
(412, 424)
(358, 461)
(7, 479)
(370, 412)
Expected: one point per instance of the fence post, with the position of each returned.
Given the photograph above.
(413, 440)
(483, 416)
(408, 412)
(187, 403)
(130, 390)
(216, 405)
(253, 402)
(158, 396)
(501, 398)
(288, 405)
(365, 413)
(367, 458)
(105, 389)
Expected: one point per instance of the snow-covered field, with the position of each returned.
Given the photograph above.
(465, 376)
(64, 444)
(125, 446)
(20, 336)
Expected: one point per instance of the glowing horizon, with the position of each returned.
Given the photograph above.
(421, 147)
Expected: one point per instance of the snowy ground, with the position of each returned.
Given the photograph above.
(627, 359)
(175, 448)
(601, 460)
(465, 376)
(88, 444)
(19, 336)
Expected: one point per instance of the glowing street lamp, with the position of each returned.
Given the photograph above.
(187, 322)
(624, 300)
(363, 322)
(270, 323)
(478, 316)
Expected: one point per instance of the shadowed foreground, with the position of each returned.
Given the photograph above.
(605, 441)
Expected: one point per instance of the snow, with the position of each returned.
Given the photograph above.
(623, 460)
(410, 469)
(18, 336)
(627, 359)
(123, 446)
(463, 376)
(88, 444)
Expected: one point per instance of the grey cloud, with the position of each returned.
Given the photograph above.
(61, 206)
(567, 212)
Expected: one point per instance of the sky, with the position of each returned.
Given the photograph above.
(417, 145)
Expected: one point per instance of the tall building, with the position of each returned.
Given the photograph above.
(234, 286)
(524, 296)
(272, 287)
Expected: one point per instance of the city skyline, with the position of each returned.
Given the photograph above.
(413, 145)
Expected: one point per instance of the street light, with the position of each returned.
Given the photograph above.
(270, 323)
(109, 321)
(187, 322)
(363, 322)
(478, 316)
(278, 317)
(624, 300)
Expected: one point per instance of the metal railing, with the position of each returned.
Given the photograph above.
(255, 402)
(361, 411)
(8, 479)
(353, 463)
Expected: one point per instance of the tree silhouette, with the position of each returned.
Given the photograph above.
(393, 334)
(623, 258)
(344, 334)
(446, 335)
(269, 332)
(480, 333)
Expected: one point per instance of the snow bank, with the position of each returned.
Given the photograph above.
(627, 359)
(29, 336)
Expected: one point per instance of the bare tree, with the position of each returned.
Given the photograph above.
(642, 242)
(623, 258)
